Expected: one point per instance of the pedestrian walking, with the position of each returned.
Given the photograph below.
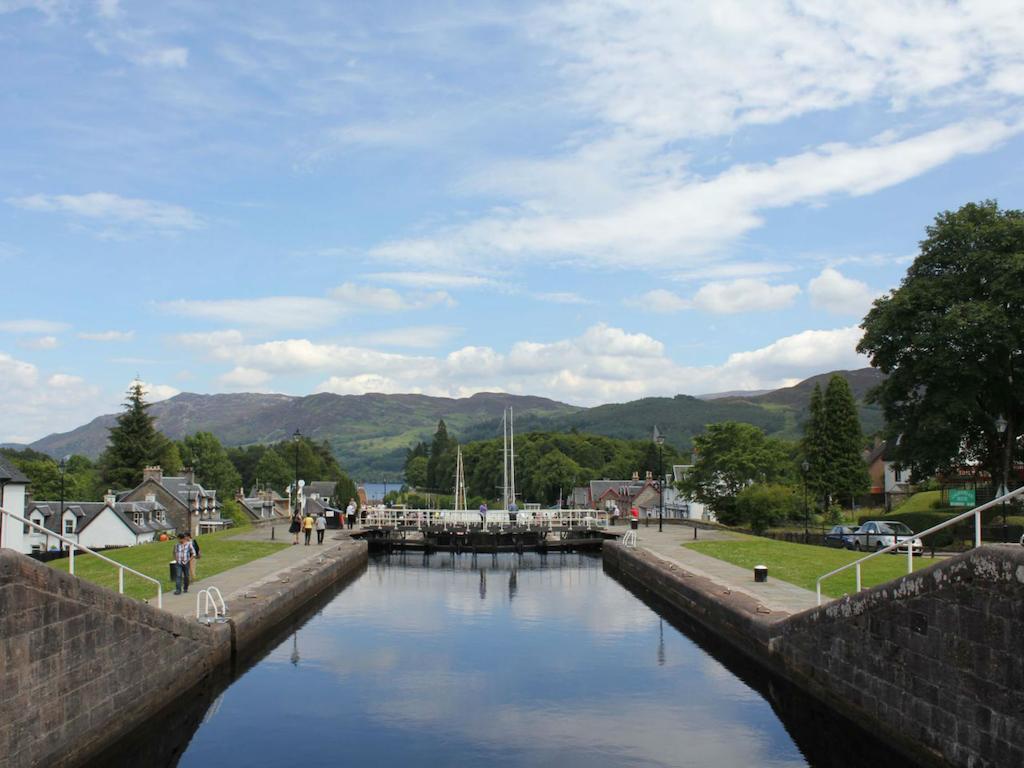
(295, 527)
(182, 558)
(321, 527)
(483, 514)
(350, 513)
(307, 526)
(194, 543)
(634, 518)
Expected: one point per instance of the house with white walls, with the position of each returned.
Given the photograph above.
(13, 490)
(96, 524)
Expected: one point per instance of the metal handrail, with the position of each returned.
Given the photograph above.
(71, 557)
(212, 595)
(530, 518)
(976, 512)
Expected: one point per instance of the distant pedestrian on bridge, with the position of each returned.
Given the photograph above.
(321, 527)
(350, 513)
(483, 514)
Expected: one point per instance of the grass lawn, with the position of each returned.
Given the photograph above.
(802, 564)
(923, 501)
(219, 551)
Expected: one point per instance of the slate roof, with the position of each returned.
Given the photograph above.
(87, 511)
(323, 488)
(10, 473)
(184, 490)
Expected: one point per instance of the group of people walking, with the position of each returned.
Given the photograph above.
(306, 524)
(186, 552)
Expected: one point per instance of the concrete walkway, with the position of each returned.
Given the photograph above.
(779, 597)
(234, 582)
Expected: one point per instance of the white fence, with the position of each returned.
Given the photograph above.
(450, 518)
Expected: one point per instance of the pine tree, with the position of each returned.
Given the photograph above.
(437, 463)
(847, 474)
(815, 448)
(134, 443)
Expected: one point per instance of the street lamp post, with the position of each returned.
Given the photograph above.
(60, 522)
(295, 439)
(660, 440)
(805, 467)
(1001, 425)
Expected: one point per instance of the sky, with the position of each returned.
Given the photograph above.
(593, 200)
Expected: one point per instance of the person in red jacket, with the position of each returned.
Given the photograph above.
(634, 518)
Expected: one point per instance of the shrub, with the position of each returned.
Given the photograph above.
(763, 505)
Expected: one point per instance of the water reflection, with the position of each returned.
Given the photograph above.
(418, 661)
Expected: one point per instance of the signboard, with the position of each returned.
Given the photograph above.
(961, 497)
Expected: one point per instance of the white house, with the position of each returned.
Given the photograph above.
(97, 524)
(13, 486)
(682, 505)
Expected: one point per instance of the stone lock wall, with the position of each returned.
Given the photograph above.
(81, 665)
(936, 658)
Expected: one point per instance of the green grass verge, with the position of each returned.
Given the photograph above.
(923, 501)
(220, 553)
(802, 564)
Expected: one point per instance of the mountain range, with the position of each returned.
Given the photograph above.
(370, 433)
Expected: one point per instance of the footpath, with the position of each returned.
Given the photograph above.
(779, 597)
(234, 583)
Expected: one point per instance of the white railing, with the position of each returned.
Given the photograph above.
(73, 545)
(630, 539)
(908, 540)
(448, 518)
(212, 596)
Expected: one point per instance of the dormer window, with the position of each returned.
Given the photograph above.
(69, 525)
(138, 519)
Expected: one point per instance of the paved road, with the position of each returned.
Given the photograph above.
(234, 582)
(777, 596)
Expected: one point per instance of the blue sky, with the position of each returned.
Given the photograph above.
(591, 201)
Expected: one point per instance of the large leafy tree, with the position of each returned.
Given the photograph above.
(730, 457)
(134, 444)
(213, 467)
(950, 341)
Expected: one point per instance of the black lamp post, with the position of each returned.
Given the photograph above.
(60, 522)
(1001, 425)
(805, 467)
(660, 440)
(295, 439)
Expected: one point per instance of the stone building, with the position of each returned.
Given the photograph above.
(189, 506)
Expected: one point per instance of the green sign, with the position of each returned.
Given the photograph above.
(961, 497)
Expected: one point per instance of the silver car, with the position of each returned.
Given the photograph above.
(879, 534)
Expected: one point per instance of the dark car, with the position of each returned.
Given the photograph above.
(839, 536)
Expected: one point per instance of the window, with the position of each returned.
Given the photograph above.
(138, 519)
(69, 525)
(897, 474)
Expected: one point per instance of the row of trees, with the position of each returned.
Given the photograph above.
(547, 463)
(748, 478)
(135, 443)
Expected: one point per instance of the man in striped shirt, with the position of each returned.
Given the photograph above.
(182, 557)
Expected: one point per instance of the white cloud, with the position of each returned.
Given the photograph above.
(166, 58)
(241, 378)
(563, 297)
(797, 356)
(107, 335)
(361, 298)
(210, 338)
(744, 295)
(35, 405)
(156, 392)
(30, 325)
(107, 207)
(838, 294)
(427, 280)
(277, 312)
(416, 337)
(658, 300)
(676, 222)
(40, 342)
(108, 9)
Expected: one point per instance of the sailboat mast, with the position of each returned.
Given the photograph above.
(504, 458)
(512, 452)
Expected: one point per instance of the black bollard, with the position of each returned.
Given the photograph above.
(695, 533)
(272, 529)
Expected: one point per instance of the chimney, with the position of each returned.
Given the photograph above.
(636, 476)
(649, 475)
(153, 473)
(109, 498)
(189, 474)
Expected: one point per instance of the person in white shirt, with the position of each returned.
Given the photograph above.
(350, 513)
(321, 527)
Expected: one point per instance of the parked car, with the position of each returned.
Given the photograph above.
(878, 534)
(839, 536)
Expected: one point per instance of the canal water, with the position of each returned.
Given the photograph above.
(533, 660)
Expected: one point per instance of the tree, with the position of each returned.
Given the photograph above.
(272, 471)
(416, 472)
(438, 476)
(731, 456)
(554, 473)
(847, 473)
(950, 341)
(204, 453)
(763, 505)
(344, 490)
(815, 447)
(134, 444)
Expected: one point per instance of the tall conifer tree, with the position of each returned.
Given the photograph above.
(847, 474)
(134, 444)
(815, 448)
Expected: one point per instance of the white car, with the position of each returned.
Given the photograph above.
(879, 534)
